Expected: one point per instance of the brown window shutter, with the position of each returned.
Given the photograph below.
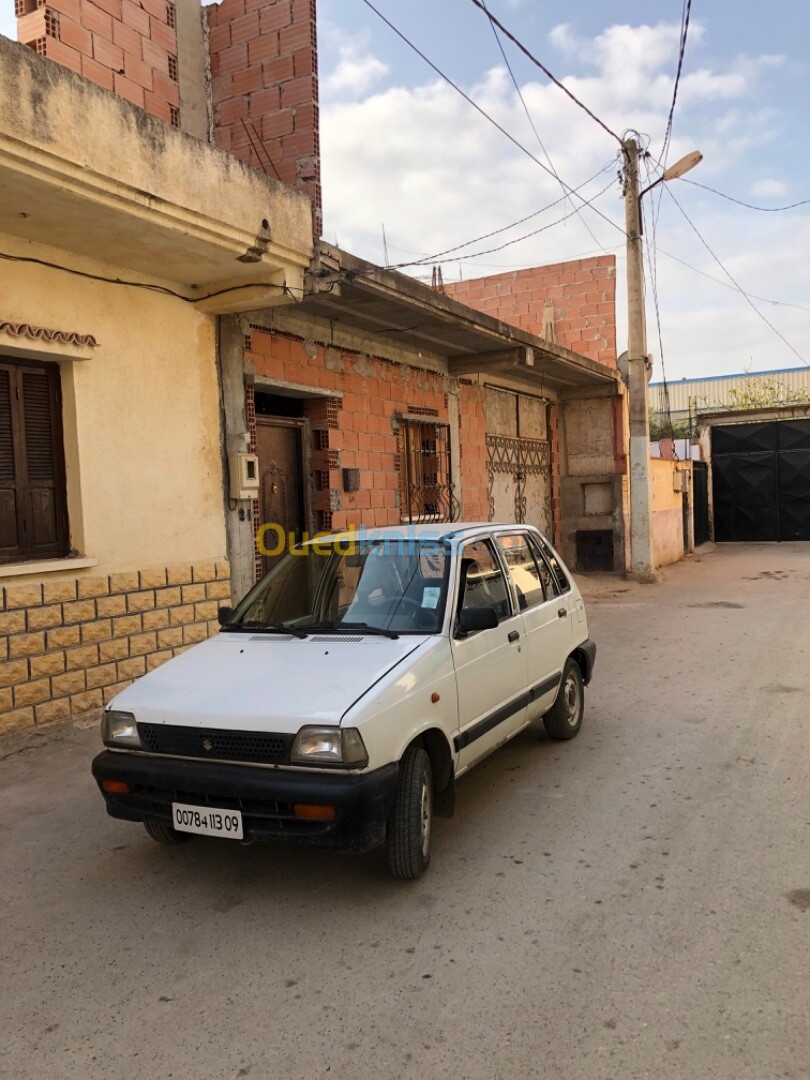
(33, 521)
(10, 524)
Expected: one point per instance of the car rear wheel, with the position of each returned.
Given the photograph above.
(165, 834)
(564, 718)
(411, 822)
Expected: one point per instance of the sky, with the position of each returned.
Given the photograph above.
(403, 151)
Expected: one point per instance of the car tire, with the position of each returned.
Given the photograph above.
(165, 834)
(411, 821)
(564, 718)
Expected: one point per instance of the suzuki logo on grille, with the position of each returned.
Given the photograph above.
(207, 744)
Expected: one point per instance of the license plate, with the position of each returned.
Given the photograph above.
(207, 821)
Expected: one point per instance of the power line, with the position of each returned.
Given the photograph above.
(725, 284)
(517, 240)
(652, 262)
(531, 121)
(734, 281)
(144, 284)
(747, 205)
(520, 266)
(682, 52)
(484, 113)
(505, 228)
(538, 63)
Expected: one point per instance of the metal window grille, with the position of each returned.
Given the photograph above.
(426, 485)
(521, 458)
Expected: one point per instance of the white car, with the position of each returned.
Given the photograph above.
(350, 689)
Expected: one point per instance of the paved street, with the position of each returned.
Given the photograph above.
(634, 903)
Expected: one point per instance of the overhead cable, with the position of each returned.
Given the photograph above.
(538, 63)
(734, 281)
(681, 53)
(517, 239)
(532, 123)
(484, 113)
(505, 228)
(747, 205)
(725, 284)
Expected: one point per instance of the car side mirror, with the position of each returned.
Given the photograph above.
(477, 618)
(224, 614)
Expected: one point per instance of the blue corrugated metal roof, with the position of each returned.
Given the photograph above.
(735, 375)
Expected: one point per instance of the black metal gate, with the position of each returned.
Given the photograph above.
(761, 481)
(700, 504)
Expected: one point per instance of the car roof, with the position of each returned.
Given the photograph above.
(438, 530)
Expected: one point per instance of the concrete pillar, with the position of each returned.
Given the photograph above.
(193, 75)
(238, 513)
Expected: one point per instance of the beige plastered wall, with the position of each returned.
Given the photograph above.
(667, 510)
(140, 413)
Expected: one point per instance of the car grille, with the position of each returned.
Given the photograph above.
(257, 746)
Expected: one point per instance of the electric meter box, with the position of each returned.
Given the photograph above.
(680, 480)
(244, 470)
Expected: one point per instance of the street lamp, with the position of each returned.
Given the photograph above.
(641, 540)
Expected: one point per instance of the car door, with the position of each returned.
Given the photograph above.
(490, 664)
(546, 617)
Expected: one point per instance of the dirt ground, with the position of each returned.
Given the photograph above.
(631, 904)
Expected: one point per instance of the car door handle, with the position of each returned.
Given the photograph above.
(514, 635)
(561, 613)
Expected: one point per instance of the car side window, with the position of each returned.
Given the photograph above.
(550, 586)
(482, 583)
(523, 571)
(563, 584)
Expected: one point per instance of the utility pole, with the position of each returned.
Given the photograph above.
(641, 538)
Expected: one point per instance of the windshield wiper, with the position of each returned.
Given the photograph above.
(265, 628)
(362, 626)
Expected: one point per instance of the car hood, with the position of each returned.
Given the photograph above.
(264, 682)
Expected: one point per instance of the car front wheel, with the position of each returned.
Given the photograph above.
(564, 718)
(411, 821)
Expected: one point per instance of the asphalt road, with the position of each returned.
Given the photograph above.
(635, 903)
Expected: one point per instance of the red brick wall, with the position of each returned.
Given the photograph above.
(127, 46)
(584, 295)
(358, 430)
(264, 69)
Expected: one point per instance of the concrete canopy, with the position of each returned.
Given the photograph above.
(87, 173)
(344, 288)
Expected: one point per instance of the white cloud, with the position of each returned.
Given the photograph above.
(356, 71)
(767, 188)
(421, 160)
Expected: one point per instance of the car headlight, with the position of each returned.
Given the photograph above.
(120, 729)
(329, 746)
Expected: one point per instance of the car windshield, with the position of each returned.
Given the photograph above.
(388, 585)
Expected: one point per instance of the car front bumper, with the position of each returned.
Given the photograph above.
(265, 797)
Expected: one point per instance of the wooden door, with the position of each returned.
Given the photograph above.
(281, 497)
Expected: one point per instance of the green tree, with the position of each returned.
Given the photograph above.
(760, 393)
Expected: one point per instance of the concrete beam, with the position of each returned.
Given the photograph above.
(495, 359)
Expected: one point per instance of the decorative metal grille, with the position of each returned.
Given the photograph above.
(427, 492)
(520, 458)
